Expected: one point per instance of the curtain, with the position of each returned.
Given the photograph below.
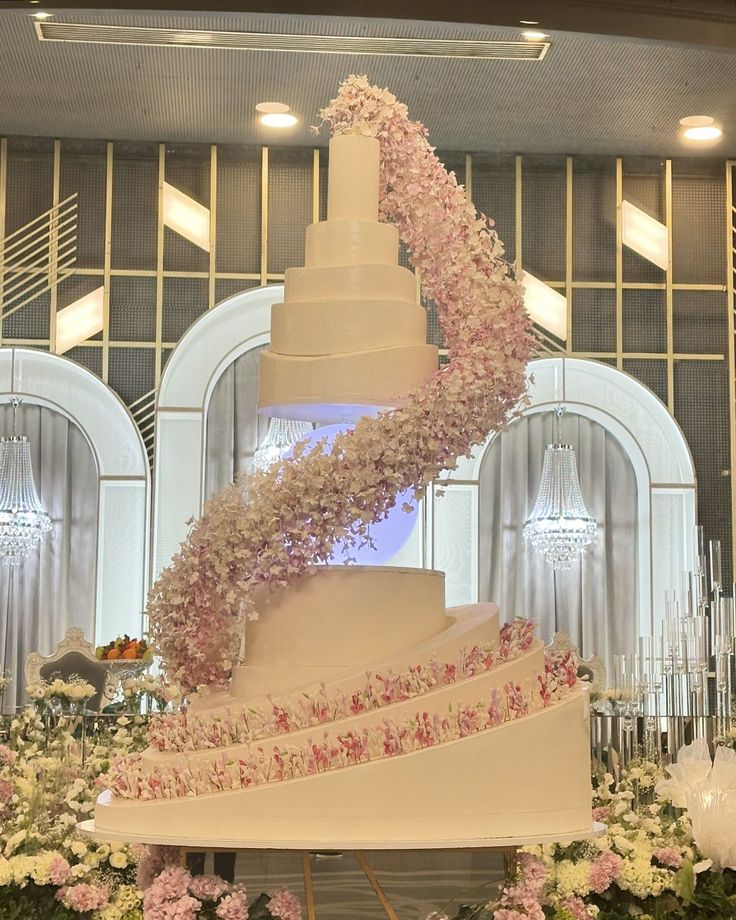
(595, 602)
(54, 588)
(234, 428)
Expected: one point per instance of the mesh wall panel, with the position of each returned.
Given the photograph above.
(543, 217)
(645, 321)
(31, 321)
(289, 206)
(30, 183)
(594, 219)
(227, 287)
(698, 211)
(454, 162)
(700, 322)
(434, 330)
(188, 169)
(165, 355)
(701, 408)
(323, 185)
(652, 373)
(494, 194)
(134, 206)
(593, 320)
(132, 372)
(184, 300)
(88, 357)
(132, 309)
(85, 175)
(238, 216)
(643, 186)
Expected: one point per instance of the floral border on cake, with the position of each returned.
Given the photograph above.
(275, 526)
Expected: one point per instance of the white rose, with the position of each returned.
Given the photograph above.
(118, 860)
(78, 847)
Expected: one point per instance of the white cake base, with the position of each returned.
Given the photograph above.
(89, 829)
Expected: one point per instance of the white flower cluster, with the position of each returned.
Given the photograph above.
(74, 690)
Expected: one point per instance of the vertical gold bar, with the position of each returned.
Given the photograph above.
(468, 177)
(308, 886)
(619, 264)
(107, 264)
(3, 210)
(668, 287)
(53, 248)
(518, 212)
(731, 268)
(264, 215)
(568, 248)
(160, 261)
(315, 185)
(212, 268)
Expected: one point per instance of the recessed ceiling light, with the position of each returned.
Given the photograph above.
(278, 120)
(702, 133)
(529, 22)
(272, 108)
(533, 36)
(41, 15)
(696, 121)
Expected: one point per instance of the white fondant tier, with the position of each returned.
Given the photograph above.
(338, 619)
(350, 282)
(345, 327)
(335, 388)
(527, 777)
(330, 244)
(352, 189)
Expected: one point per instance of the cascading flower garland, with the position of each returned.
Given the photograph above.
(277, 525)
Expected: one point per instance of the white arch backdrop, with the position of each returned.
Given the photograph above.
(122, 472)
(447, 532)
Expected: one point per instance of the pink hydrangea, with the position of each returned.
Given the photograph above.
(602, 813)
(83, 897)
(233, 907)
(153, 862)
(7, 756)
(669, 856)
(604, 871)
(6, 791)
(577, 908)
(208, 887)
(59, 870)
(285, 906)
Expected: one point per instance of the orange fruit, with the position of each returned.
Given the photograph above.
(113, 654)
(129, 653)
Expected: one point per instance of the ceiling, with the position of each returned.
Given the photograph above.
(591, 93)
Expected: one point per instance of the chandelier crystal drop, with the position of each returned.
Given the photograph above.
(282, 434)
(559, 526)
(23, 519)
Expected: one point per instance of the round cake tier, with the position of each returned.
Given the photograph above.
(343, 327)
(350, 282)
(351, 242)
(338, 618)
(336, 388)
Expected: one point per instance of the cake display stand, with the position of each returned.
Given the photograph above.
(505, 847)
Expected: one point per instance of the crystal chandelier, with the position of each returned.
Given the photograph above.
(559, 526)
(282, 434)
(23, 519)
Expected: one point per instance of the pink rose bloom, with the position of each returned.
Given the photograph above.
(285, 906)
(669, 856)
(604, 871)
(233, 907)
(208, 887)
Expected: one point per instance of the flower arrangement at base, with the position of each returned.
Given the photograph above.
(648, 864)
(68, 695)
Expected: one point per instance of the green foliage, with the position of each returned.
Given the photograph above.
(34, 902)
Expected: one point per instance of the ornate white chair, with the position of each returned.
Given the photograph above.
(591, 669)
(73, 656)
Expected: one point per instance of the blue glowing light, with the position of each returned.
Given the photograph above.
(388, 535)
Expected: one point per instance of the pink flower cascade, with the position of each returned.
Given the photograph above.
(521, 900)
(241, 725)
(277, 525)
(130, 779)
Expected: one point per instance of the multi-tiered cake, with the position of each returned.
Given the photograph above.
(365, 713)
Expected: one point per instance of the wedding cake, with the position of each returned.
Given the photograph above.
(365, 713)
